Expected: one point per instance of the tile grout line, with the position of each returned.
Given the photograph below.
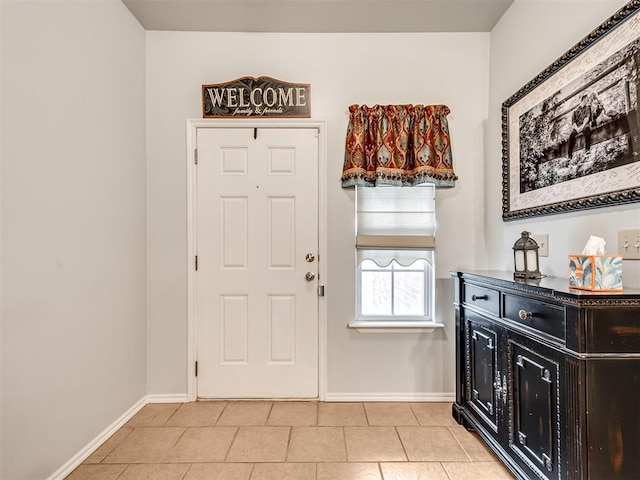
(266, 422)
(344, 442)
(187, 471)
(414, 415)
(226, 404)
(404, 448)
(235, 435)
(286, 455)
(366, 416)
(126, 466)
(172, 415)
(219, 415)
(179, 438)
(444, 467)
(114, 447)
(460, 444)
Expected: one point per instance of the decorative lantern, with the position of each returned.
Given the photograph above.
(525, 258)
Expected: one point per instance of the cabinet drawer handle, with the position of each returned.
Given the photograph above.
(523, 314)
(479, 297)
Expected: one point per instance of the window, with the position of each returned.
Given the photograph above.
(395, 291)
(395, 242)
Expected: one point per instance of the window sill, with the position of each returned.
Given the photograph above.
(395, 327)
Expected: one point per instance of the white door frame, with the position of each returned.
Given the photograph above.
(192, 338)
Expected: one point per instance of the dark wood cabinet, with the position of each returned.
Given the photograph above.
(548, 376)
(483, 371)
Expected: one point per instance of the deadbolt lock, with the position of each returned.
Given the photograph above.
(310, 257)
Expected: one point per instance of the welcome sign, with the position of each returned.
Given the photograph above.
(256, 97)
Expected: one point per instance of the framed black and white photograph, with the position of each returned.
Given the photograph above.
(571, 136)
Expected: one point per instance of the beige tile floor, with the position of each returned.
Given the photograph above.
(262, 440)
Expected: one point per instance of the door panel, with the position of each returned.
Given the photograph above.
(282, 329)
(482, 340)
(281, 233)
(234, 212)
(257, 219)
(234, 317)
(535, 432)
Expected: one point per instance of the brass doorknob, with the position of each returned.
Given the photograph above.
(310, 276)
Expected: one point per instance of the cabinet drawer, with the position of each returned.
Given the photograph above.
(482, 298)
(544, 317)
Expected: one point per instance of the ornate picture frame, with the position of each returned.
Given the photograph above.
(571, 136)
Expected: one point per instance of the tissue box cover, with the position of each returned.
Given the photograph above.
(595, 272)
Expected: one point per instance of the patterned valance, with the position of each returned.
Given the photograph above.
(400, 145)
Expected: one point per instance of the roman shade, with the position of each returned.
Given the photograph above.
(395, 223)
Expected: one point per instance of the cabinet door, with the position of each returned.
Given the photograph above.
(481, 338)
(534, 406)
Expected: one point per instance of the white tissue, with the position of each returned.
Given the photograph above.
(595, 246)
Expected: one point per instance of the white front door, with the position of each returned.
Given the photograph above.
(257, 239)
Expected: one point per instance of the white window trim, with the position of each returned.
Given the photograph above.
(371, 326)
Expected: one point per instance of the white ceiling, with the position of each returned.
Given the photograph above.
(319, 15)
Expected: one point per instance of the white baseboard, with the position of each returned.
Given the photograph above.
(93, 445)
(386, 397)
(167, 398)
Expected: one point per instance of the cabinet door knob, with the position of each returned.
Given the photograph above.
(523, 314)
(479, 297)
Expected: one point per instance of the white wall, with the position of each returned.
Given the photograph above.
(529, 37)
(343, 69)
(73, 227)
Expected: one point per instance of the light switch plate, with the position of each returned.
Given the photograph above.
(542, 239)
(629, 244)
